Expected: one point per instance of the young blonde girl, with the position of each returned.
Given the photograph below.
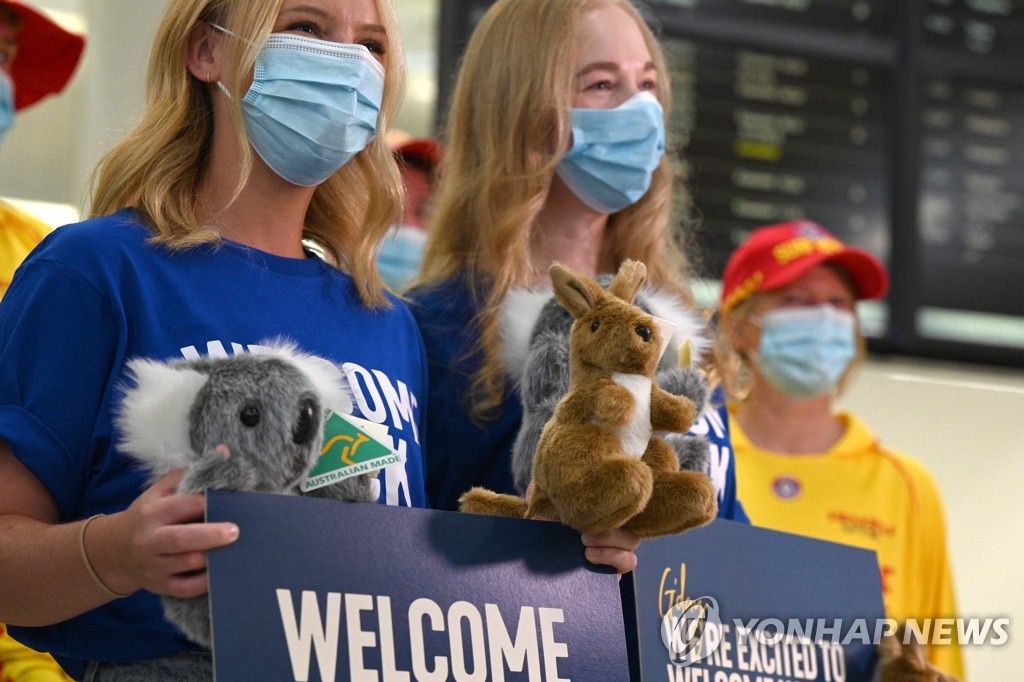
(211, 214)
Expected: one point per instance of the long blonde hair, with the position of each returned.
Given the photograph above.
(509, 119)
(158, 167)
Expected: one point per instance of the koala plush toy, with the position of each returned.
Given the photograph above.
(252, 422)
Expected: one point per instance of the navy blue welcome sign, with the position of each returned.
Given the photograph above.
(322, 590)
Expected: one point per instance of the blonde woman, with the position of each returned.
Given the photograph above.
(790, 337)
(543, 84)
(207, 210)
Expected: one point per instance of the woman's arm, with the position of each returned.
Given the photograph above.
(149, 545)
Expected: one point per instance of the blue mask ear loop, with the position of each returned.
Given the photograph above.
(224, 89)
(228, 31)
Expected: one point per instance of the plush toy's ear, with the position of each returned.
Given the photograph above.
(577, 293)
(154, 416)
(631, 276)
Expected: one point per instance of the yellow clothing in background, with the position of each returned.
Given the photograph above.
(19, 234)
(862, 494)
(18, 663)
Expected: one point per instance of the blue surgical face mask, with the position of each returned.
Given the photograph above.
(6, 103)
(804, 351)
(401, 255)
(312, 105)
(614, 153)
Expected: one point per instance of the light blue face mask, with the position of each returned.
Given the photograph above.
(312, 105)
(614, 153)
(804, 351)
(6, 103)
(401, 255)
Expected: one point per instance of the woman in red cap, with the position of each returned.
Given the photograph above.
(790, 338)
(38, 54)
(37, 58)
(401, 251)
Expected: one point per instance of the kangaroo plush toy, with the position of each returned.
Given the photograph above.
(535, 332)
(252, 421)
(598, 464)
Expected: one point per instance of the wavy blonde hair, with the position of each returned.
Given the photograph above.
(158, 167)
(508, 122)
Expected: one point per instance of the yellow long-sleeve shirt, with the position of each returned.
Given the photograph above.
(862, 494)
(18, 663)
(19, 234)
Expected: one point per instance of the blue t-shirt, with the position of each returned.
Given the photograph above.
(94, 295)
(464, 454)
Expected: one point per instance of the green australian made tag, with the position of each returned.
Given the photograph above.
(351, 446)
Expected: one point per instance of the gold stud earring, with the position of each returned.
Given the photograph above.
(209, 78)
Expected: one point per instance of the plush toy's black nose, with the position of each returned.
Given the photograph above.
(644, 332)
(305, 423)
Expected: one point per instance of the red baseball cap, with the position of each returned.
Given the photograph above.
(47, 56)
(775, 255)
(426, 150)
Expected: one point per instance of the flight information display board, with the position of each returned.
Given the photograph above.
(983, 27)
(842, 16)
(897, 125)
(970, 212)
(769, 136)
(972, 195)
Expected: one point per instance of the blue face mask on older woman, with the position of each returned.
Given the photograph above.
(614, 153)
(6, 103)
(805, 351)
(312, 105)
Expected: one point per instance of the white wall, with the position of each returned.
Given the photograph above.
(965, 423)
